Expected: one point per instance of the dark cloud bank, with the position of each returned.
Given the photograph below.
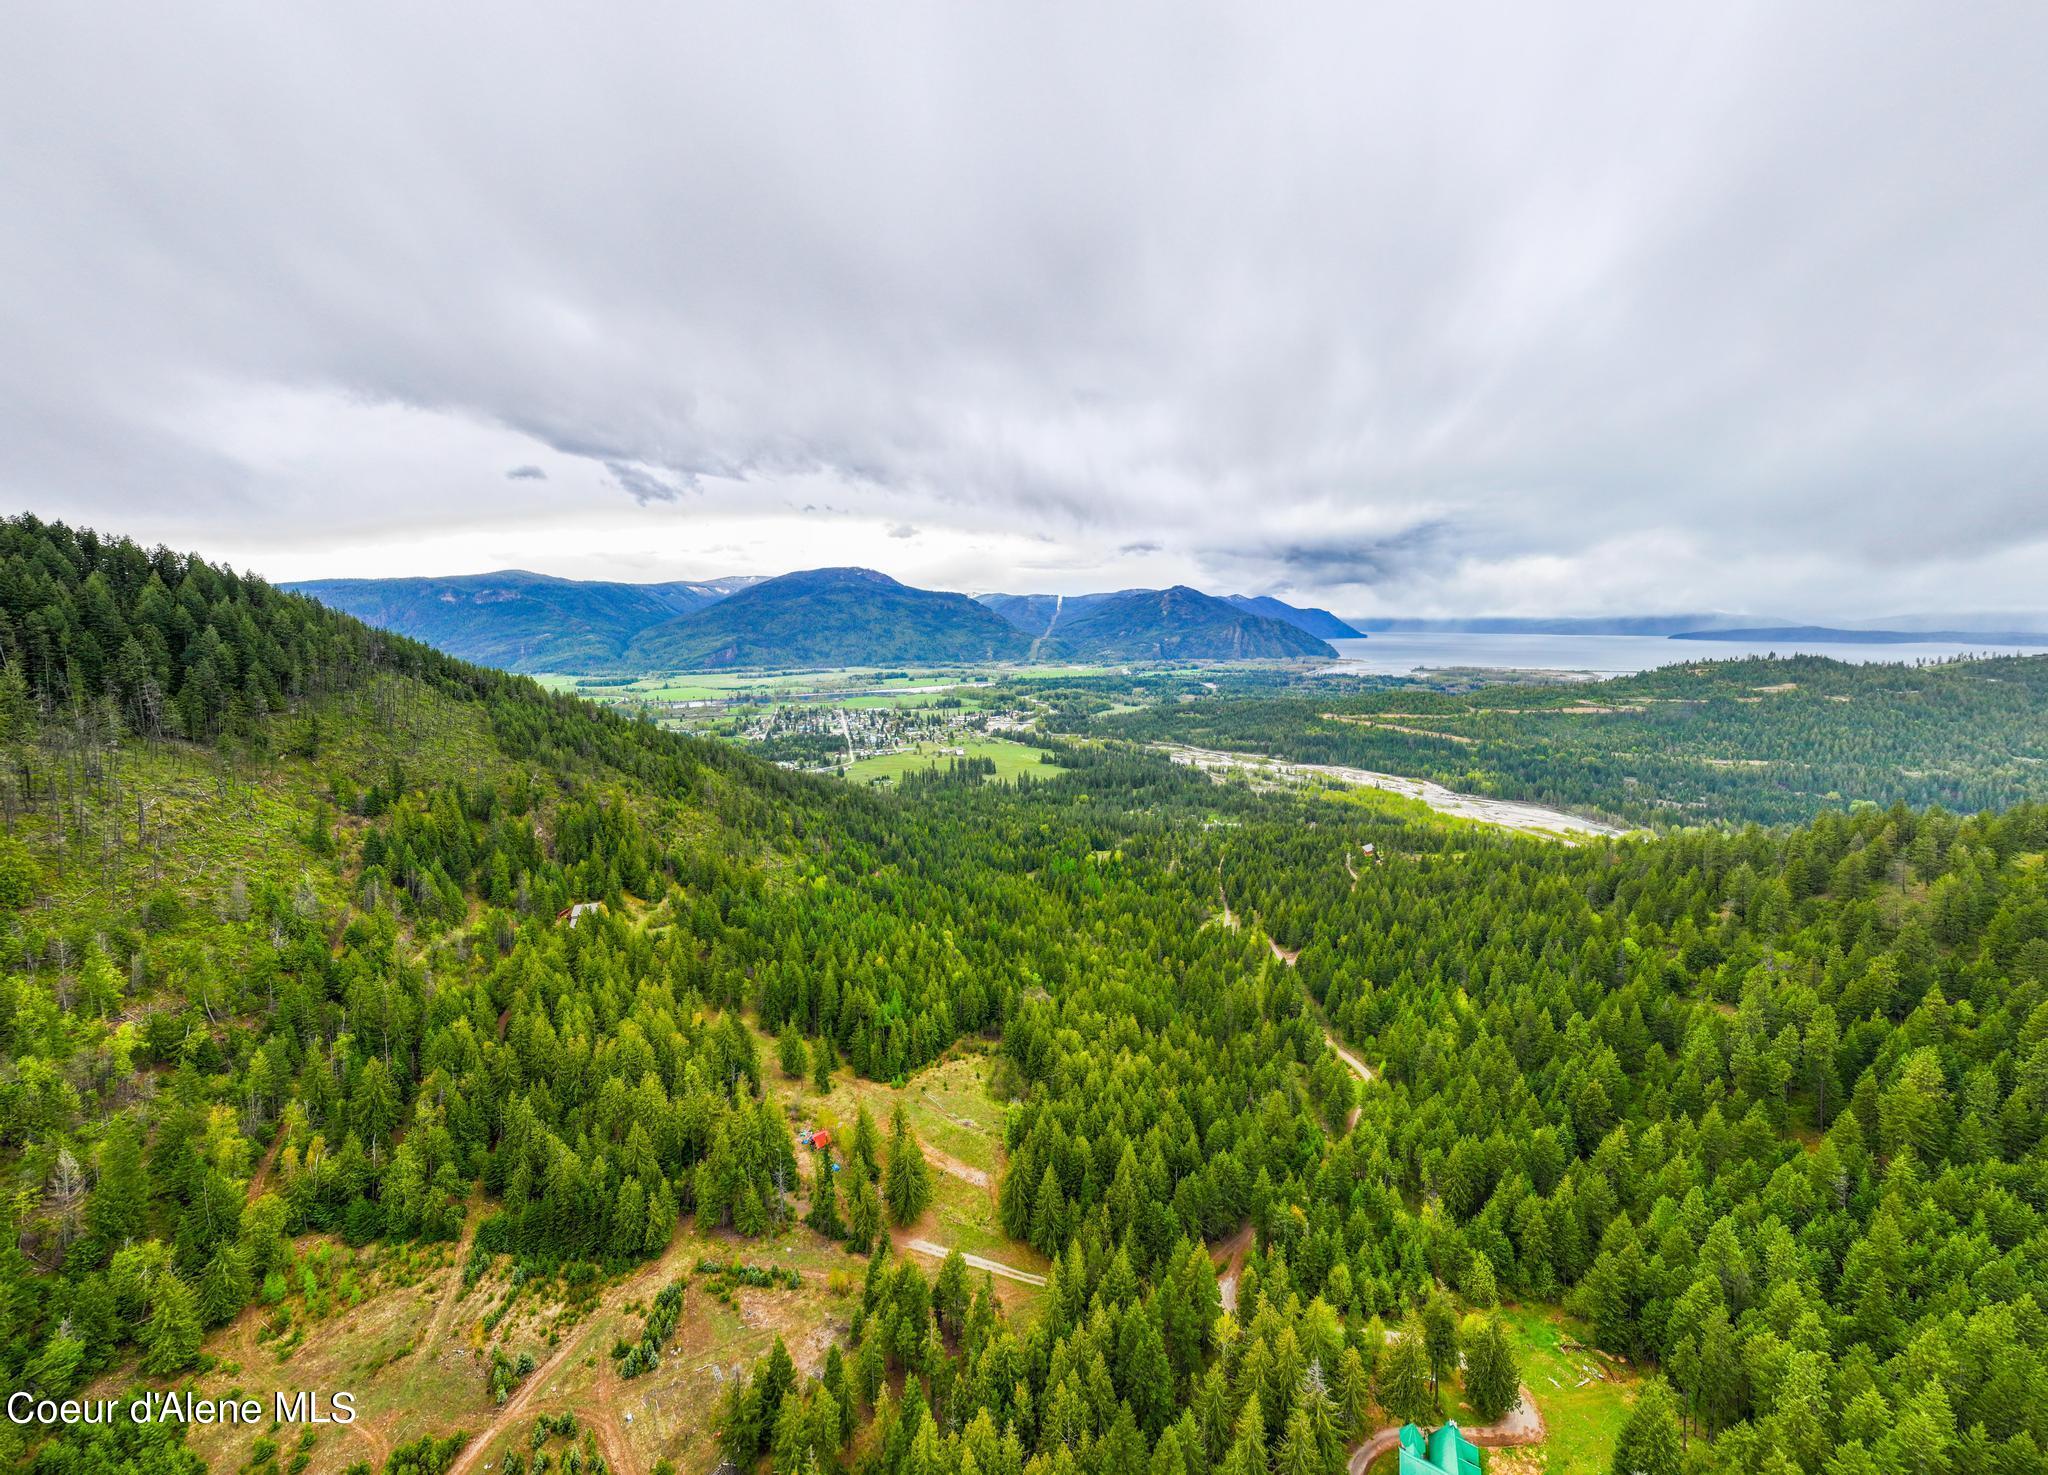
(1517, 309)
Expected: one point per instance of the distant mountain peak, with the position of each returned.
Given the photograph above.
(1175, 623)
(829, 617)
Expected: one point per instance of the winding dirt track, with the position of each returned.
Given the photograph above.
(946, 1163)
(1358, 1067)
(1230, 1255)
(444, 1308)
(536, 1383)
(976, 1262)
(512, 1408)
(260, 1179)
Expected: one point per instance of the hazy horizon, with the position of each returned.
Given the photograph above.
(1978, 620)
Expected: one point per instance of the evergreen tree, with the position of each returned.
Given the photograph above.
(1493, 1376)
(790, 1052)
(866, 1150)
(824, 1214)
(1440, 1336)
(1405, 1388)
(1649, 1442)
(907, 1183)
(1481, 1288)
(224, 1286)
(172, 1334)
(863, 1214)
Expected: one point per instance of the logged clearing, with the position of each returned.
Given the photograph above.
(416, 1350)
(398, 1327)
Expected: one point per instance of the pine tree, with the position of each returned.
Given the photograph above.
(1353, 1393)
(950, 1294)
(863, 1214)
(749, 1214)
(1049, 1214)
(1440, 1336)
(1481, 1288)
(1650, 1443)
(1404, 1383)
(172, 1333)
(794, 1058)
(224, 1286)
(1143, 1375)
(1493, 1378)
(866, 1151)
(1298, 1454)
(120, 1202)
(907, 1183)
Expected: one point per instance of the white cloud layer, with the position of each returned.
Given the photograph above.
(1402, 309)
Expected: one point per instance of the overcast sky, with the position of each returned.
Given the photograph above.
(1422, 309)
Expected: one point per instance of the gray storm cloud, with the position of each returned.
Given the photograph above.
(1573, 309)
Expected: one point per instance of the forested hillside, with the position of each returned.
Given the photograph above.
(515, 620)
(1767, 1110)
(284, 955)
(1766, 740)
(827, 617)
(286, 968)
(1177, 624)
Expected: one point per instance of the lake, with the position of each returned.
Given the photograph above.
(1398, 652)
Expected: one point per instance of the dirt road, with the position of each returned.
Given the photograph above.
(1523, 1425)
(1230, 1255)
(536, 1384)
(1358, 1067)
(947, 1163)
(976, 1262)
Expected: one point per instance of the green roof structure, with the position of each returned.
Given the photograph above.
(1445, 1451)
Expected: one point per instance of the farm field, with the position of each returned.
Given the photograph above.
(1013, 760)
(685, 686)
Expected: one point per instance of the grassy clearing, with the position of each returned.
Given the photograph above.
(949, 1106)
(374, 1333)
(953, 1112)
(1583, 1421)
(1058, 673)
(1013, 760)
(197, 822)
